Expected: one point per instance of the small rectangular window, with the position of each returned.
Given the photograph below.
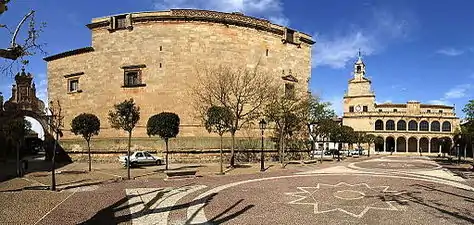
(73, 85)
(266, 53)
(380, 110)
(428, 111)
(351, 108)
(290, 35)
(289, 91)
(121, 22)
(161, 48)
(440, 111)
(365, 108)
(395, 110)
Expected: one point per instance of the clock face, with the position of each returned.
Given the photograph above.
(357, 108)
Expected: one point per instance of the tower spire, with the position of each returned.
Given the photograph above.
(359, 66)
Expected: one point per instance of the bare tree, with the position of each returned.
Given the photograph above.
(16, 52)
(243, 91)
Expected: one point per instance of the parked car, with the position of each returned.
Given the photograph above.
(356, 152)
(141, 158)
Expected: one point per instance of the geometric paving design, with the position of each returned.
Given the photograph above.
(354, 200)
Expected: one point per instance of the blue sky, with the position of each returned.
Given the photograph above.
(413, 50)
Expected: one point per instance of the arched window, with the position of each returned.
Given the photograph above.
(435, 126)
(390, 125)
(401, 125)
(412, 125)
(446, 126)
(379, 125)
(424, 126)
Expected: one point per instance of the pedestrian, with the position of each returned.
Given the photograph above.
(420, 151)
(391, 150)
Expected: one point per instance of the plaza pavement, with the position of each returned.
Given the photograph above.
(379, 190)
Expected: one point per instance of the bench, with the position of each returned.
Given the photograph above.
(180, 174)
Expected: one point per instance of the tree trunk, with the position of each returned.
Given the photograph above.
(282, 159)
(128, 154)
(222, 160)
(18, 169)
(232, 147)
(89, 152)
(368, 151)
(166, 154)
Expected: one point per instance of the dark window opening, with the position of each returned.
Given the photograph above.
(435, 126)
(395, 110)
(401, 125)
(380, 110)
(351, 108)
(379, 125)
(440, 111)
(266, 53)
(428, 111)
(121, 22)
(73, 85)
(412, 125)
(132, 78)
(390, 125)
(290, 91)
(365, 108)
(424, 126)
(161, 48)
(446, 126)
(160, 65)
(359, 69)
(290, 35)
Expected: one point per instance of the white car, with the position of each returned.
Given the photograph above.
(141, 158)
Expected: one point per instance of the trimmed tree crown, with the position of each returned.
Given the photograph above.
(218, 119)
(165, 125)
(125, 116)
(85, 124)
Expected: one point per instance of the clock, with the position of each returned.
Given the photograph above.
(358, 108)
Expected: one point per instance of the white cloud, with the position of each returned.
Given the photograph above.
(458, 91)
(338, 50)
(270, 9)
(439, 102)
(450, 52)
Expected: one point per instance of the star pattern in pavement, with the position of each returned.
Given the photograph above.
(352, 199)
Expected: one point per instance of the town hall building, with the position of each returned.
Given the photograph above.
(399, 127)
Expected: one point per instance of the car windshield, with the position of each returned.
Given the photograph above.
(147, 154)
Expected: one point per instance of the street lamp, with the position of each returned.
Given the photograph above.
(262, 125)
(459, 138)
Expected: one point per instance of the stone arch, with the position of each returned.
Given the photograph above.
(401, 125)
(401, 144)
(435, 126)
(434, 144)
(412, 144)
(424, 144)
(379, 125)
(390, 144)
(446, 127)
(390, 125)
(412, 125)
(379, 143)
(424, 125)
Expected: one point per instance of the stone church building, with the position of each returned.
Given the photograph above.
(407, 127)
(153, 57)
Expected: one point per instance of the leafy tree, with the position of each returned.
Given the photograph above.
(370, 139)
(242, 90)
(321, 117)
(125, 116)
(15, 131)
(359, 137)
(219, 120)
(165, 125)
(87, 125)
(325, 129)
(289, 115)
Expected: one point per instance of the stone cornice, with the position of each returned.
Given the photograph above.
(185, 15)
(73, 74)
(69, 53)
(401, 116)
(359, 96)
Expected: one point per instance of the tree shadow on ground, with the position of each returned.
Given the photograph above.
(119, 211)
(180, 168)
(446, 211)
(58, 186)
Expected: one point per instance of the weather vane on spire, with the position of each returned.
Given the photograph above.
(359, 54)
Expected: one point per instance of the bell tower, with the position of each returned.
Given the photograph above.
(359, 97)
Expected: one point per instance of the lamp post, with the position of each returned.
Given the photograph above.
(458, 146)
(263, 125)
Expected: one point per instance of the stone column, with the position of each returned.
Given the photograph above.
(418, 145)
(406, 144)
(395, 146)
(385, 145)
(429, 145)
